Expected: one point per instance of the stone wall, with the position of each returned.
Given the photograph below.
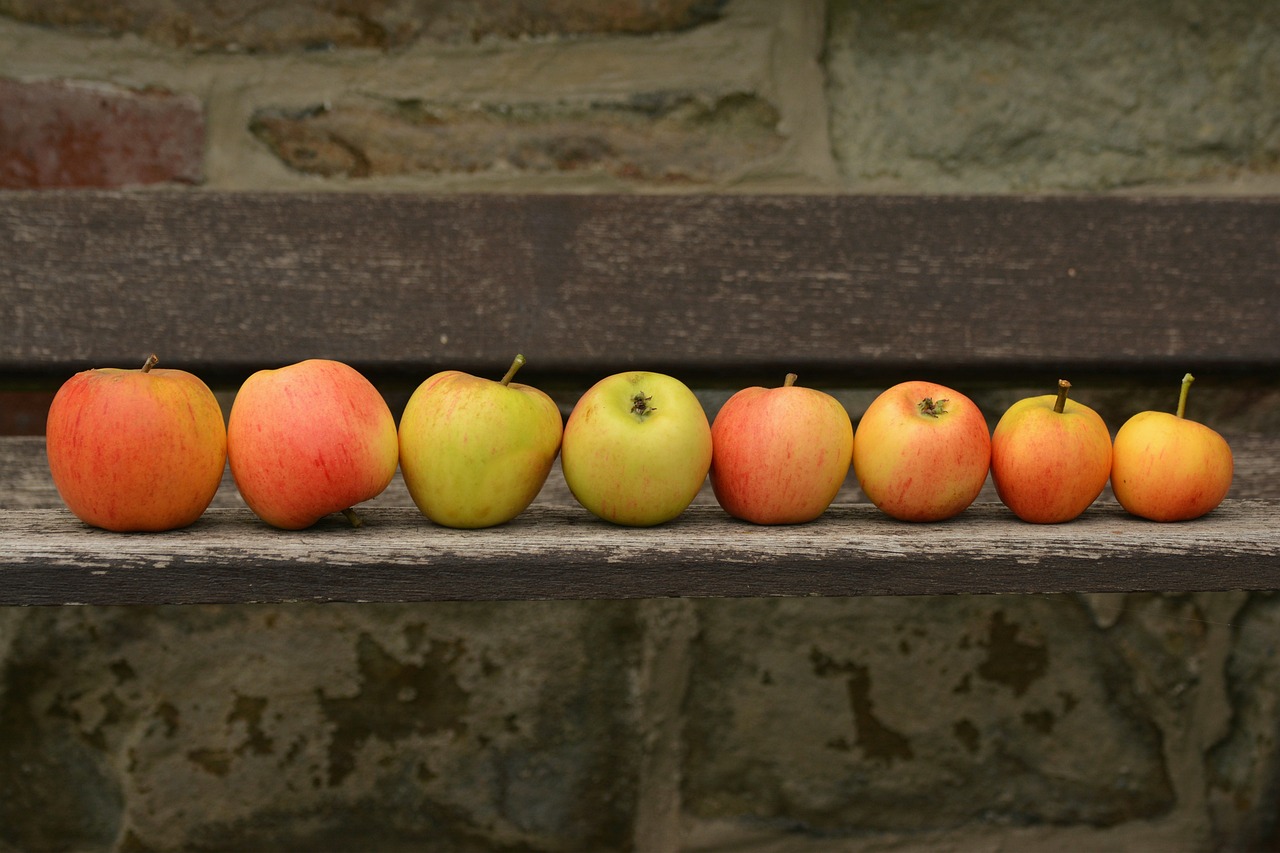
(1036, 722)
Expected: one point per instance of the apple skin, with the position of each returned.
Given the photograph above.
(780, 455)
(1167, 468)
(1049, 467)
(920, 467)
(309, 439)
(475, 452)
(136, 450)
(636, 448)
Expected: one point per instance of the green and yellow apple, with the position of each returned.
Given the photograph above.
(636, 448)
(1050, 457)
(310, 439)
(475, 452)
(136, 450)
(1167, 468)
(780, 455)
(921, 451)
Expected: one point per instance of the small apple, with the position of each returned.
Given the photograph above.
(1167, 468)
(133, 450)
(474, 452)
(636, 449)
(1050, 457)
(921, 451)
(310, 439)
(780, 455)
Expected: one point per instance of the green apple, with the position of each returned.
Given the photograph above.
(310, 439)
(921, 451)
(134, 450)
(780, 455)
(637, 448)
(1167, 468)
(475, 452)
(1050, 457)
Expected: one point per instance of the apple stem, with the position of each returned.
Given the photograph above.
(1182, 395)
(511, 371)
(351, 516)
(152, 361)
(1061, 403)
(790, 380)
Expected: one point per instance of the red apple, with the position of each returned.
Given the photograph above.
(921, 451)
(1050, 457)
(779, 455)
(310, 439)
(1167, 468)
(136, 449)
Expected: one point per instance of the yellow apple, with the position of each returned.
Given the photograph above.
(780, 455)
(1050, 457)
(921, 451)
(475, 452)
(310, 439)
(134, 450)
(636, 448)
(1167, 468)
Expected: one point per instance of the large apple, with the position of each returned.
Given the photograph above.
(779, 455)
(475, 452)
(134, 450)
(636, 449)
(1167, 468)
(1050, 457)
(921, 451)
(310, 439)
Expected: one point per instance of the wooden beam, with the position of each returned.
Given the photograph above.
(719, 285)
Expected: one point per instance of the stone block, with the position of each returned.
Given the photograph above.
(80, 134)
(915, 716)
(448, 726)
(248, 25)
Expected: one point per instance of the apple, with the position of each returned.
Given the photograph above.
(134, 450)
(636, 448)
(1167, 468)
(475, 452)
(780, 455)
(310, 439)
(1050, 457)
(921, 451)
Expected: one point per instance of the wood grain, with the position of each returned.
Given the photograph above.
(724, 285)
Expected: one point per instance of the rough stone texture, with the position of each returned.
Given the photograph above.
(81, 134)
(249, 25)
(998, 95)
(657, 139)
(298, 727)
(857, 717)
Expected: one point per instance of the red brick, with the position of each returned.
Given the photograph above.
(80, 134)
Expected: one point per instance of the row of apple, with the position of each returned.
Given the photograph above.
(145, 449)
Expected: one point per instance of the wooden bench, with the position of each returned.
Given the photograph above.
(722, 292)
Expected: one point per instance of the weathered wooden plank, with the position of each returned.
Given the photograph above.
(722, 285)
(549, 552)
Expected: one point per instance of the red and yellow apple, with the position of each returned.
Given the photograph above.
(308, 440)
(1167, 468)
(136, 450)
(921, 451)
(475, 452)
(1050, 457)
(779, 455)
(636, 448)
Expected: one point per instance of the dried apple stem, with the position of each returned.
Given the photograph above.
(351, 516)
(152, 361)
(1182, 395)
(511, 371)
(1061, 403)
(790, 380)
